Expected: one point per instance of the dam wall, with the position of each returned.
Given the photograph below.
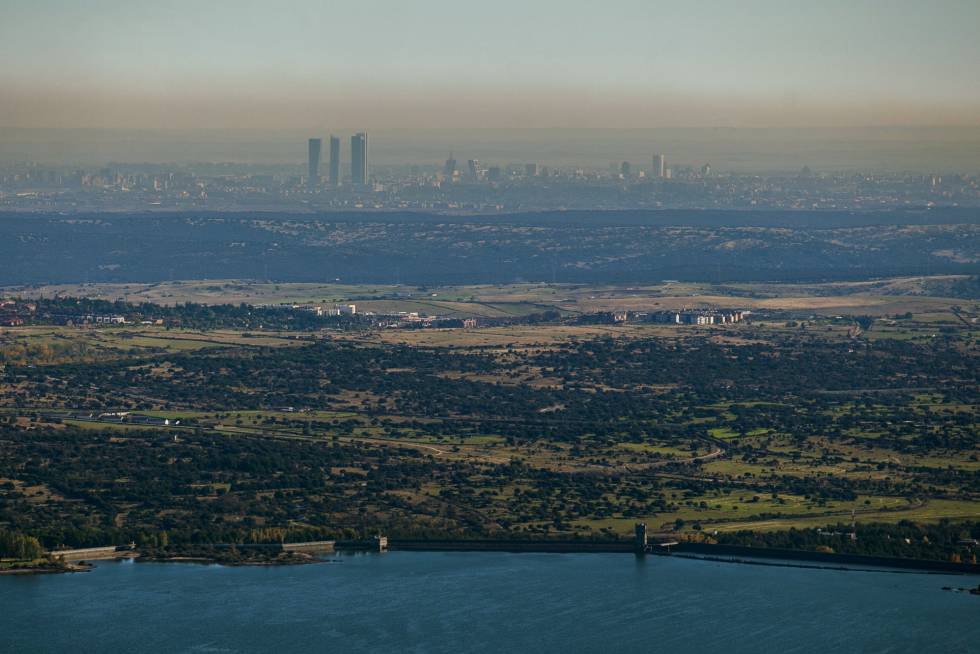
(825, 558)
(511, 545)
(92, 553)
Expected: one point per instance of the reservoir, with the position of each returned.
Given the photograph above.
(486, 602)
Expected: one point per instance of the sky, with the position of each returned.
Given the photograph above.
(488, 63)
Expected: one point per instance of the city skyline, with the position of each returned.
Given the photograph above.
(764, 151)
(481, 187)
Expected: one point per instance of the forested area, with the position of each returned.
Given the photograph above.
(699, 436)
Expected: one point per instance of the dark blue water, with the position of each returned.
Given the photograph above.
(486, 602)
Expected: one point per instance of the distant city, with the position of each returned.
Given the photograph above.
(337, 178)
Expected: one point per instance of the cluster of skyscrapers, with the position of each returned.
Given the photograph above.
(658, 171)
(359, 164)
(358, 161)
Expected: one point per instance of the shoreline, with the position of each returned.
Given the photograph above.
(204, 560)
(691, 551)
(840, 568)
(729, 551)
(75, 566)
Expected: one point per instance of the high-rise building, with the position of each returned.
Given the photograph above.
(531, 170)
(659, 166)
(313, 178)
(449, 168)
(334, 161)
(358, 159)
(624, 169)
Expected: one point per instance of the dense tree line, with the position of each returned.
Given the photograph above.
(190, 315)
(15, 545)
(943, 540)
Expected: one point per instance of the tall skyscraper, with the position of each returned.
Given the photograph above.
(313, 178)
(334, 161)
(358, 159)
(659, 166)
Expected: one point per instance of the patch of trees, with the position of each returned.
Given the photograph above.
(15, 545)
(944, 540)
(61, 310)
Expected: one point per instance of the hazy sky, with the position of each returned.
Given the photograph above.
(488, 63)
